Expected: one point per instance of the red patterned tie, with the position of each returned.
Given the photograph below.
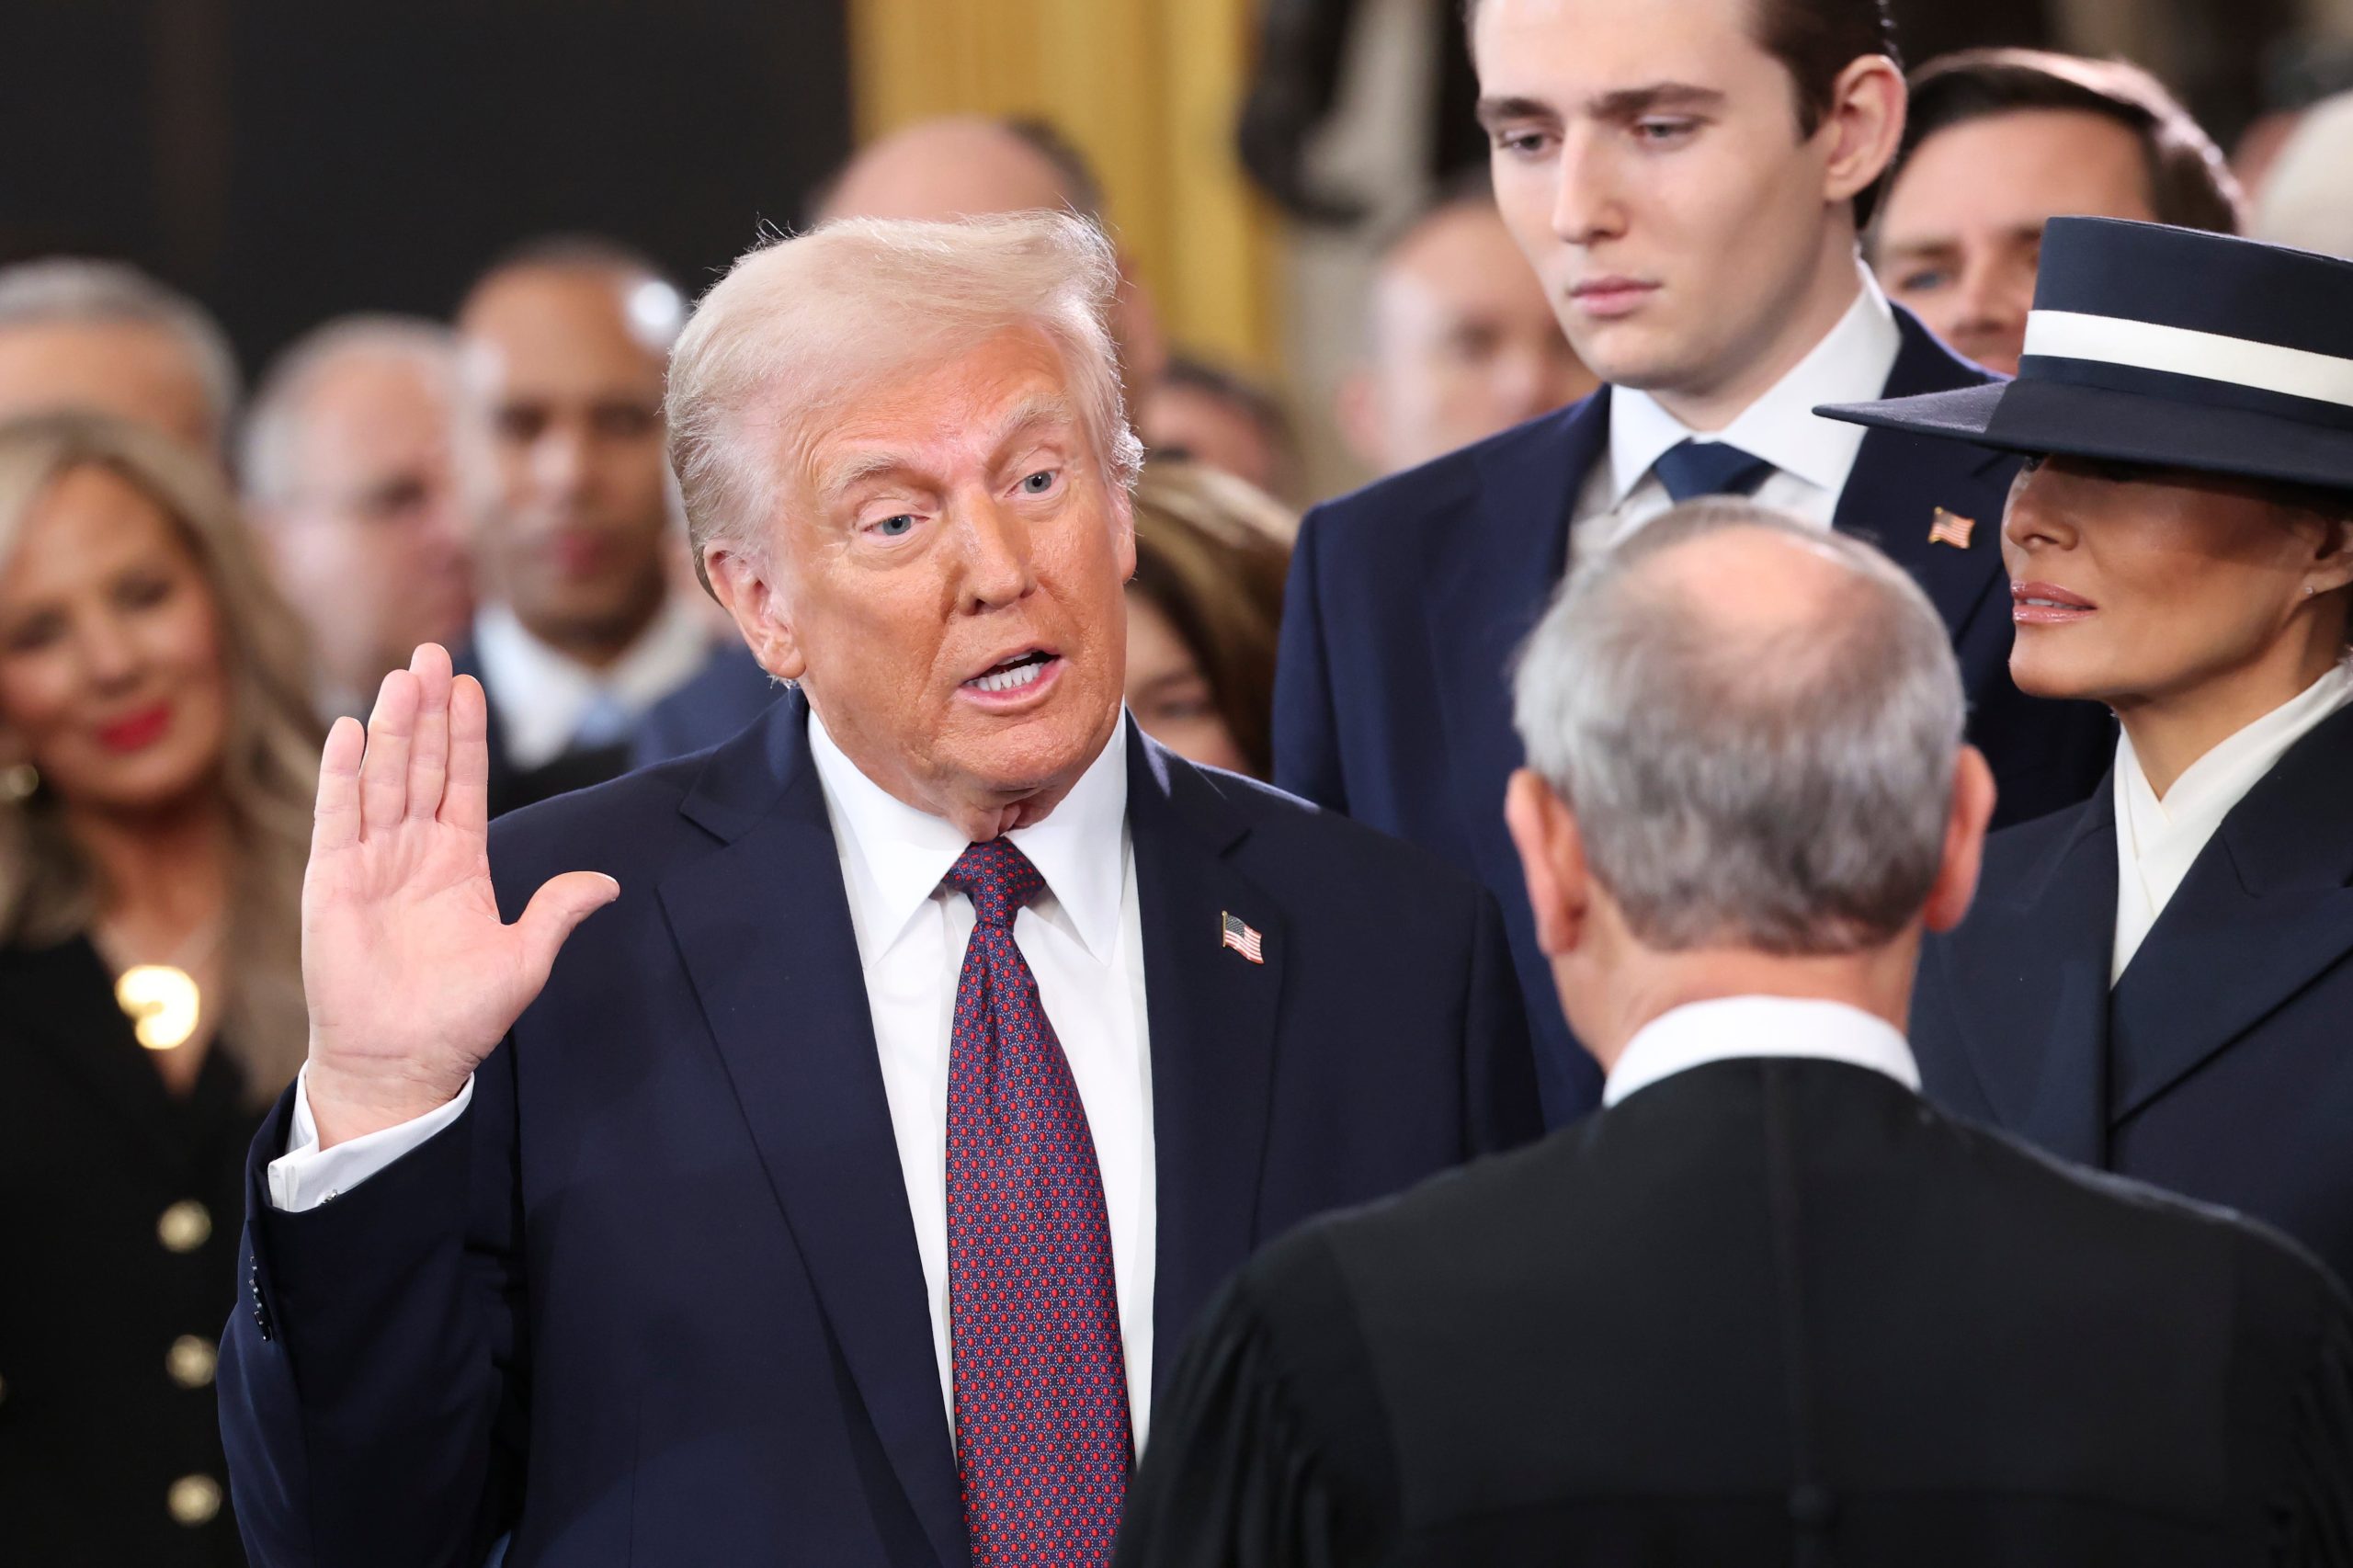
(1041, 1391)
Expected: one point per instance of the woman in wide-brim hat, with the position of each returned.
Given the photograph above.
(2160, 982)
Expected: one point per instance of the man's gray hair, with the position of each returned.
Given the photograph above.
(801, 326)
(77, 290)
(1781, 786)
(269, 466)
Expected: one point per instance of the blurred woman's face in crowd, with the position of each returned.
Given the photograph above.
(111, 673)
(1170, 697)
(2133, 584)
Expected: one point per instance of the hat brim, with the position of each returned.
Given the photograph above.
(2061, 419)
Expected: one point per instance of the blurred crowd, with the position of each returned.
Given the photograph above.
(197, 577)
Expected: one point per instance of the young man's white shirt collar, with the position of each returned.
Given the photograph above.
(1812, 456)
(1729, 1028)
(543, 695)
(2157, 841)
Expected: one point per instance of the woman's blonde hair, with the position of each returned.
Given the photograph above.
(50, 891)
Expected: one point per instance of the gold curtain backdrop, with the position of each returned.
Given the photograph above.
(1148, 90)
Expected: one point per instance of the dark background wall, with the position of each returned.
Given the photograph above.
(286, 160)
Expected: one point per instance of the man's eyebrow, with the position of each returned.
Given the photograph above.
(1492, 112)
(1933, 244)
(1626, 102)
(1031, 412)
(1023, 417)
(1631, 103)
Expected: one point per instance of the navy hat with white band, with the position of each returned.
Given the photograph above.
(2169, 348)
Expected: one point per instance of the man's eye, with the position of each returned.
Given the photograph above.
(894, 527)
(1919, 282)
(1040, 483)
(1662, 129)
(1521, 144)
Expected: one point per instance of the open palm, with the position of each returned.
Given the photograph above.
(410, 976)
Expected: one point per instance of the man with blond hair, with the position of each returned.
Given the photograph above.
(839, 1194)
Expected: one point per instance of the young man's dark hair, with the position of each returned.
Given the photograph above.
(2191, 186)
(1816, 39)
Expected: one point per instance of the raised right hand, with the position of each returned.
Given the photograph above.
(410, 976)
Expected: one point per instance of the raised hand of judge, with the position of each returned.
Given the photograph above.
(410, 976)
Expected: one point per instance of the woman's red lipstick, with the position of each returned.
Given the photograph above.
(138, 731)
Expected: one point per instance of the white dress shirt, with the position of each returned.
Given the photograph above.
(1811, 456)
(1084, 941)
(542, 696)
(1730, 1027)
(2157, 840)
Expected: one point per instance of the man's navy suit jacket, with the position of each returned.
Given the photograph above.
(730, 692)
(1409, 599)
(655, 1299)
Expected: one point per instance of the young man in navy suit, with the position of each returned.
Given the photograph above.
(1684, 176)
(841, 1193)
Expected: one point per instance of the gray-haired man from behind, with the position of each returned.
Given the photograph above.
(1765, 1304)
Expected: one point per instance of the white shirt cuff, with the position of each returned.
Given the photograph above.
(307, 1176)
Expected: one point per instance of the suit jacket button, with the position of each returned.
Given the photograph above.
(184, 1226)
(191, 1360)
(194, 1500)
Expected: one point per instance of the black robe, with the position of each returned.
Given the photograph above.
(1762, 1312)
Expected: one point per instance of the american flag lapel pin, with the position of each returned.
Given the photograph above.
(1951, 527)
(1242, 938)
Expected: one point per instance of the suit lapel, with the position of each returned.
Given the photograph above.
(2031, 975)
(1212, 1015)
(1489, 583)
(764, 926)
(1899, 482)
(2265, 908)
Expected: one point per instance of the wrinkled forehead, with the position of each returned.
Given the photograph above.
(938, 420)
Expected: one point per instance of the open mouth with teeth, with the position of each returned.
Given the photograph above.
(1014, 673)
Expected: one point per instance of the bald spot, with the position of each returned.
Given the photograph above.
(1774, 612)
(560, 326)
(964, 166)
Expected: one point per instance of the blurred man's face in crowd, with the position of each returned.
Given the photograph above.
(130, 369)
(1182, 419)
(1463, 344)
(369, 539)
(562, 368)
(1961, 232)
(1647, 159)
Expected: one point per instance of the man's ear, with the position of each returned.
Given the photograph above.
(1865, 123)
(742, 586)
(1123, 538)
(1964, 850)
(1551, 858)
